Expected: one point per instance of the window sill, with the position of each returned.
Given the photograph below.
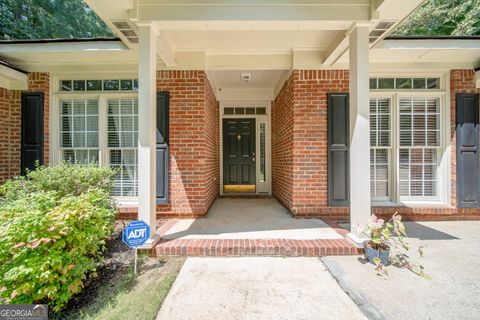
(411, 204)
(131, 202)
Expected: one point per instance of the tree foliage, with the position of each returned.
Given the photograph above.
(443, 17)
(49, 19)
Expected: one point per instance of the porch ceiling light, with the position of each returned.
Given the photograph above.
(246, 77)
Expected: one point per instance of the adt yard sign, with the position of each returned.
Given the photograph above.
(136, 233)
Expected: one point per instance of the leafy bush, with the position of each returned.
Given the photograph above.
(53, 227)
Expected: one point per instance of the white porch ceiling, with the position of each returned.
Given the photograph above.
(243, 27)
(249, 41)
(260, 79)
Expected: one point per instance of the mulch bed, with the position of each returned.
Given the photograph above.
(118, 259)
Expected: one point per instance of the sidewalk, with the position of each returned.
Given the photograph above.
(451, 258)
(257, 288)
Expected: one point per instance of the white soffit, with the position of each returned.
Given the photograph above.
(444, 53)
(12, 79)
(35, 55)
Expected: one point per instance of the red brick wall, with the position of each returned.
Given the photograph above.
(10, 124)
(310, 176)
(194, 143)
(282, 144)
(40, 82)
(212, 146)
(299, 139)
(10, 112)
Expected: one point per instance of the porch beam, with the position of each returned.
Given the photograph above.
(165, 50)
(336, 49)
(147, 54)
(360, 207)
(281, 10)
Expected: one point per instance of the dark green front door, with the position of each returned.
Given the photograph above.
(239, 155)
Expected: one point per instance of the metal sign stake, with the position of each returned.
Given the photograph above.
(136, 260)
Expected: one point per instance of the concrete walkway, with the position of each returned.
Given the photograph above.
(256, 288)
(452, 258)
(250, 219)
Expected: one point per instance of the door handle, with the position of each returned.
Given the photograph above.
(253, 159)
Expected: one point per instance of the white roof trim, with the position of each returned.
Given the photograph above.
(429, 44)
(12, 79)
(67, 46)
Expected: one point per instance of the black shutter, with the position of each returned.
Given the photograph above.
(468, 179)
(338, 140)
(32, 130)
(163, 101)
(162, 155)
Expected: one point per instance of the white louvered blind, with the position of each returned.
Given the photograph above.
(419, 143)
(380, 145)
(79, 130)
(122, 143)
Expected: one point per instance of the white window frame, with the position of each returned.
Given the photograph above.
(443, 153)
(102, 97)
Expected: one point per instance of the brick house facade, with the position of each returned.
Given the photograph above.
(299, 143)
(299, 115)
(10, 124)
(250, 109)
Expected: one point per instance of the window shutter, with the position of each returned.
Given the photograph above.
(32, 130)
(163, 108)
(163, 103)
(338, 140)
(467, 133)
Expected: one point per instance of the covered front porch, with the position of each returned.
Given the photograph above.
(252, 226)
(318, 49)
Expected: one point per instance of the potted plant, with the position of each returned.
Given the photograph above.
(388, 244)
(382, 233)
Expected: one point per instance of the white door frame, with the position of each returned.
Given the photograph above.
(262, 187)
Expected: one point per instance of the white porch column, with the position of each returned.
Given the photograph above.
(147, 66)
(360, 207)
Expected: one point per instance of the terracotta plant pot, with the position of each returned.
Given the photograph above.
(371, 253)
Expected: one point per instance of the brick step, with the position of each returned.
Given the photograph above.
(255, 247)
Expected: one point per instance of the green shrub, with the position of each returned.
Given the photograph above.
(53, 228)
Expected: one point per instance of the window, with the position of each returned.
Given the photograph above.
(79, 130)
(402, 83)
(380, 133)
(101, 128)
(405, 140)
(99, 85)
(263, 173)
(242, 110)
(122, 139)
(419, 142)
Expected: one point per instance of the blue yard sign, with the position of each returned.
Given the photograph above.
(136, 233)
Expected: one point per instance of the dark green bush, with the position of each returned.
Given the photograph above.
(53, 228)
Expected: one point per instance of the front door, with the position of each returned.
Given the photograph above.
(239, 155)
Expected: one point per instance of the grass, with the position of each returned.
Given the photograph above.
(125, 296)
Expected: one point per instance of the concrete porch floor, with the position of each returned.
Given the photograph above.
(250, 219)
(251, 227)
